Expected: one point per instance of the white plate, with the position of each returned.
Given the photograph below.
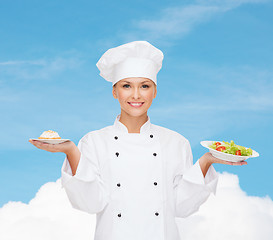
(51, 141)
(226, 156)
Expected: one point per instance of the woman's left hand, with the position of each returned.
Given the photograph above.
(207, 159)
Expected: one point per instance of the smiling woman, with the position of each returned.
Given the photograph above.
(136, 176)
(135, 97)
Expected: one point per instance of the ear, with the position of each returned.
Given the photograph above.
(114, 92)
(155, 91)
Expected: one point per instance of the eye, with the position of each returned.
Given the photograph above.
(126, 85)
(145, 86)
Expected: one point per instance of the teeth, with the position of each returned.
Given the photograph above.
(136, 104)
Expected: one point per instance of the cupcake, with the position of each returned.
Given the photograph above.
(49, 135)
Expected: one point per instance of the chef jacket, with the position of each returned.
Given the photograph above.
(137, 183)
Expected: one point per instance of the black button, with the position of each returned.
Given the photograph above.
(119, 215)
(155, 183)
(118, 184)
(117, 154)
(154, 154)
(156, 213)
(116, 137)
(151, 136)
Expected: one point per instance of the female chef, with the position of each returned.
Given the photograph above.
(136, 176)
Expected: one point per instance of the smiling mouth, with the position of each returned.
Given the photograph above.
(136, 104)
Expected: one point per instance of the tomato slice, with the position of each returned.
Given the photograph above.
(238, 152)
(217, 144)
(221, 148)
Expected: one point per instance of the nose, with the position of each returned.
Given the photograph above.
(136, 93)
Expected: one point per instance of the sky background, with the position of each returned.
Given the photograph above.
(215, 83)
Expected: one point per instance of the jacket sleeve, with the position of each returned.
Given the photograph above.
(86, 190)
(192, 189)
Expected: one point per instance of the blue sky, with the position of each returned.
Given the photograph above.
(215, 84)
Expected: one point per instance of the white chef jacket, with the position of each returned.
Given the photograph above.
(137, 183)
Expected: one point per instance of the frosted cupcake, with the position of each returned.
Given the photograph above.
(49, 135)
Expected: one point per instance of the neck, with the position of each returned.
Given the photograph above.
(132, 123)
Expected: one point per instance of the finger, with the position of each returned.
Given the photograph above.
(51, 148)
(47, 147)
(240, 163)
(43, 145)
(234, 163)
(34, 142)
(40, 145)
(217, 160)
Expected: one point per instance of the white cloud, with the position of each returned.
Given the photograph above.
(37, 62)
(47, 216)
(237, 88)
(230, 215)
(225, 98)
(176, 22)
(37, 69)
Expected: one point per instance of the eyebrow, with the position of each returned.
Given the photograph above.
(141, 82)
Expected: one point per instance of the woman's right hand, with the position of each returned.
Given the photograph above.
(69, 148)
(65, 147)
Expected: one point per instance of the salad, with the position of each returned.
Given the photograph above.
(231, 148)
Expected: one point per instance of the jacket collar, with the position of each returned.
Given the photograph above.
(145, 128)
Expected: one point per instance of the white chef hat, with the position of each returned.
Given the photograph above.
(134, 59)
